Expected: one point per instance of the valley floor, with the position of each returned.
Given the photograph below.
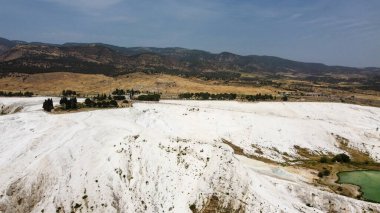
(90, 84)
(177, 156)
(52, 84)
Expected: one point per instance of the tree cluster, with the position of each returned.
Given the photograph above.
(341, 158)
(324, 172)
(220, 75)
(52, 64)
(16, 94)
(149, 97)
(258, 97)
(100, 104)
(225, 96)
(202, 96)
(133, 92)
(102, 97)
(48, 105)
(69, 93)
(216, 75)
(69, 103)
(207, 96)
(119, 97)
(118, 92)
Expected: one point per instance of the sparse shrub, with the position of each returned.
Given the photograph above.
(341, 158)
(320, 174)
(324, 159)
(258, 151)
(16, 94)
(193, 208)
(324, 172)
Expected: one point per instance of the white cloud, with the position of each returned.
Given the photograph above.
(295, 16)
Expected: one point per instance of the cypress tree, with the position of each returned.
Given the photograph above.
(48, 105)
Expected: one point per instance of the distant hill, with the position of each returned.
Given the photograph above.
(5, 45)
(99, 58)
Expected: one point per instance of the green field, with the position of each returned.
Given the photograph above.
(369, 182)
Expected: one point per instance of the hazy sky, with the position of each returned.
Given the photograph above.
(336, 32)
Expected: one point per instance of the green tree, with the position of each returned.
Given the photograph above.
(48, 105)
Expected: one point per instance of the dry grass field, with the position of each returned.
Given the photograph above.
(88, 84)
(170, 86)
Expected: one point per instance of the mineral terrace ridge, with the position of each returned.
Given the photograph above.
(178, 156)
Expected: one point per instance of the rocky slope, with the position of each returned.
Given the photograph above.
(113, 60)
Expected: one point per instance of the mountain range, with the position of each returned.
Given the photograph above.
(99, 58)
